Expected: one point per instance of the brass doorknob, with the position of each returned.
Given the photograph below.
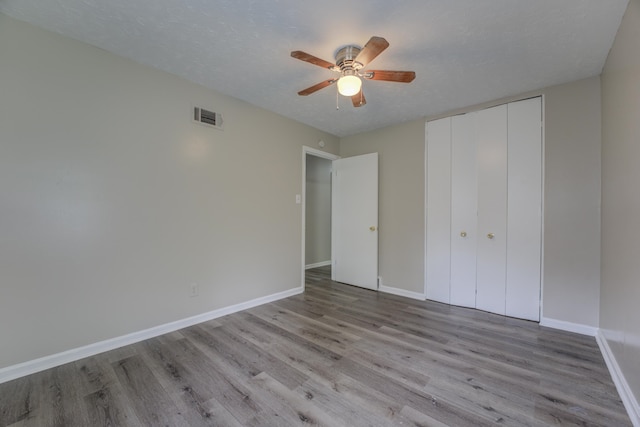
(463, 234)
(491, 235)
(372, 228)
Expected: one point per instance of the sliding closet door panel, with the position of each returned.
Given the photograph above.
(438, 209)
(491, 134)
(464, 200)
(524, 209)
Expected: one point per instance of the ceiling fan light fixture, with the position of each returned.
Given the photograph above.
(349, 85)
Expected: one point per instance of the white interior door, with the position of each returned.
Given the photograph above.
(491, 134)
(354, 217)
(524, 209)
(464, 208)
(438, 256)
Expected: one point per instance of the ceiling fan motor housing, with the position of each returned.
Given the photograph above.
(345, 59)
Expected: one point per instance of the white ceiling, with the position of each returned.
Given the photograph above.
(464, 52)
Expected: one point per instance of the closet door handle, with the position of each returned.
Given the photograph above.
(463, 234)
(490, 236)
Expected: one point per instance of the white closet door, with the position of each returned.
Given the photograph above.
(438, 209)
(491, 134)
(464, 200)
(524, 209)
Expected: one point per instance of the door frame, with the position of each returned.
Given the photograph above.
(308, 151)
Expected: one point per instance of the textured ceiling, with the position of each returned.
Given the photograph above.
(464, 52)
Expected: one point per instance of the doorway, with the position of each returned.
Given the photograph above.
(316, 209)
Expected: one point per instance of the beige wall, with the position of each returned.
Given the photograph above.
(112, 201)
(572, 200)
(401, 200)
(572, 203)
(620, 290)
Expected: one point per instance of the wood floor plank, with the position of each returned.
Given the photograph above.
(60, 404)
(118, 354)
(498, 404)
(334, 339)
(145, 394)
(292, 408)
(304, 356)
(218, 415)
(109, 408)
(307, 307)
(400, 371)
(202, 377)
(431, 405)
(291, 346)
(524, 340)
(18, 400)
(95, 374)
(232, 379)
(504, 362)
(245, 356)
(353, 403)
(173, 362)
(418, 418)
(335, 355)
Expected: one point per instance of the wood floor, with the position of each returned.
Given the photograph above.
(334, 356)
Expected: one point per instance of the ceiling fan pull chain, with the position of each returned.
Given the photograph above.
(337, 98)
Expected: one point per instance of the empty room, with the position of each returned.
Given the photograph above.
(339, 213)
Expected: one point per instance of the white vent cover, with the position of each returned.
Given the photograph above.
(206, 117)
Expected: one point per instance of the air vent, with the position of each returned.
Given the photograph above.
(206, 117)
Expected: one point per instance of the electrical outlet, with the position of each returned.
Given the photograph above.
(194, 290)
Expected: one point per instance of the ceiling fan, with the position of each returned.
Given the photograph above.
(350, 62)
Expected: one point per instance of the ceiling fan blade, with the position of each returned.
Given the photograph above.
(371, 50)
(391, 76)
(303, 56)
(317, 87)
(358, 99)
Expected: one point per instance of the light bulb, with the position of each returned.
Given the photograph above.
(349, 85)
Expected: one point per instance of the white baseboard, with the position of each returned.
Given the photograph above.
(317, 264)
(30, 367)
(401, 292)
(626, 395)
(569, 326)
